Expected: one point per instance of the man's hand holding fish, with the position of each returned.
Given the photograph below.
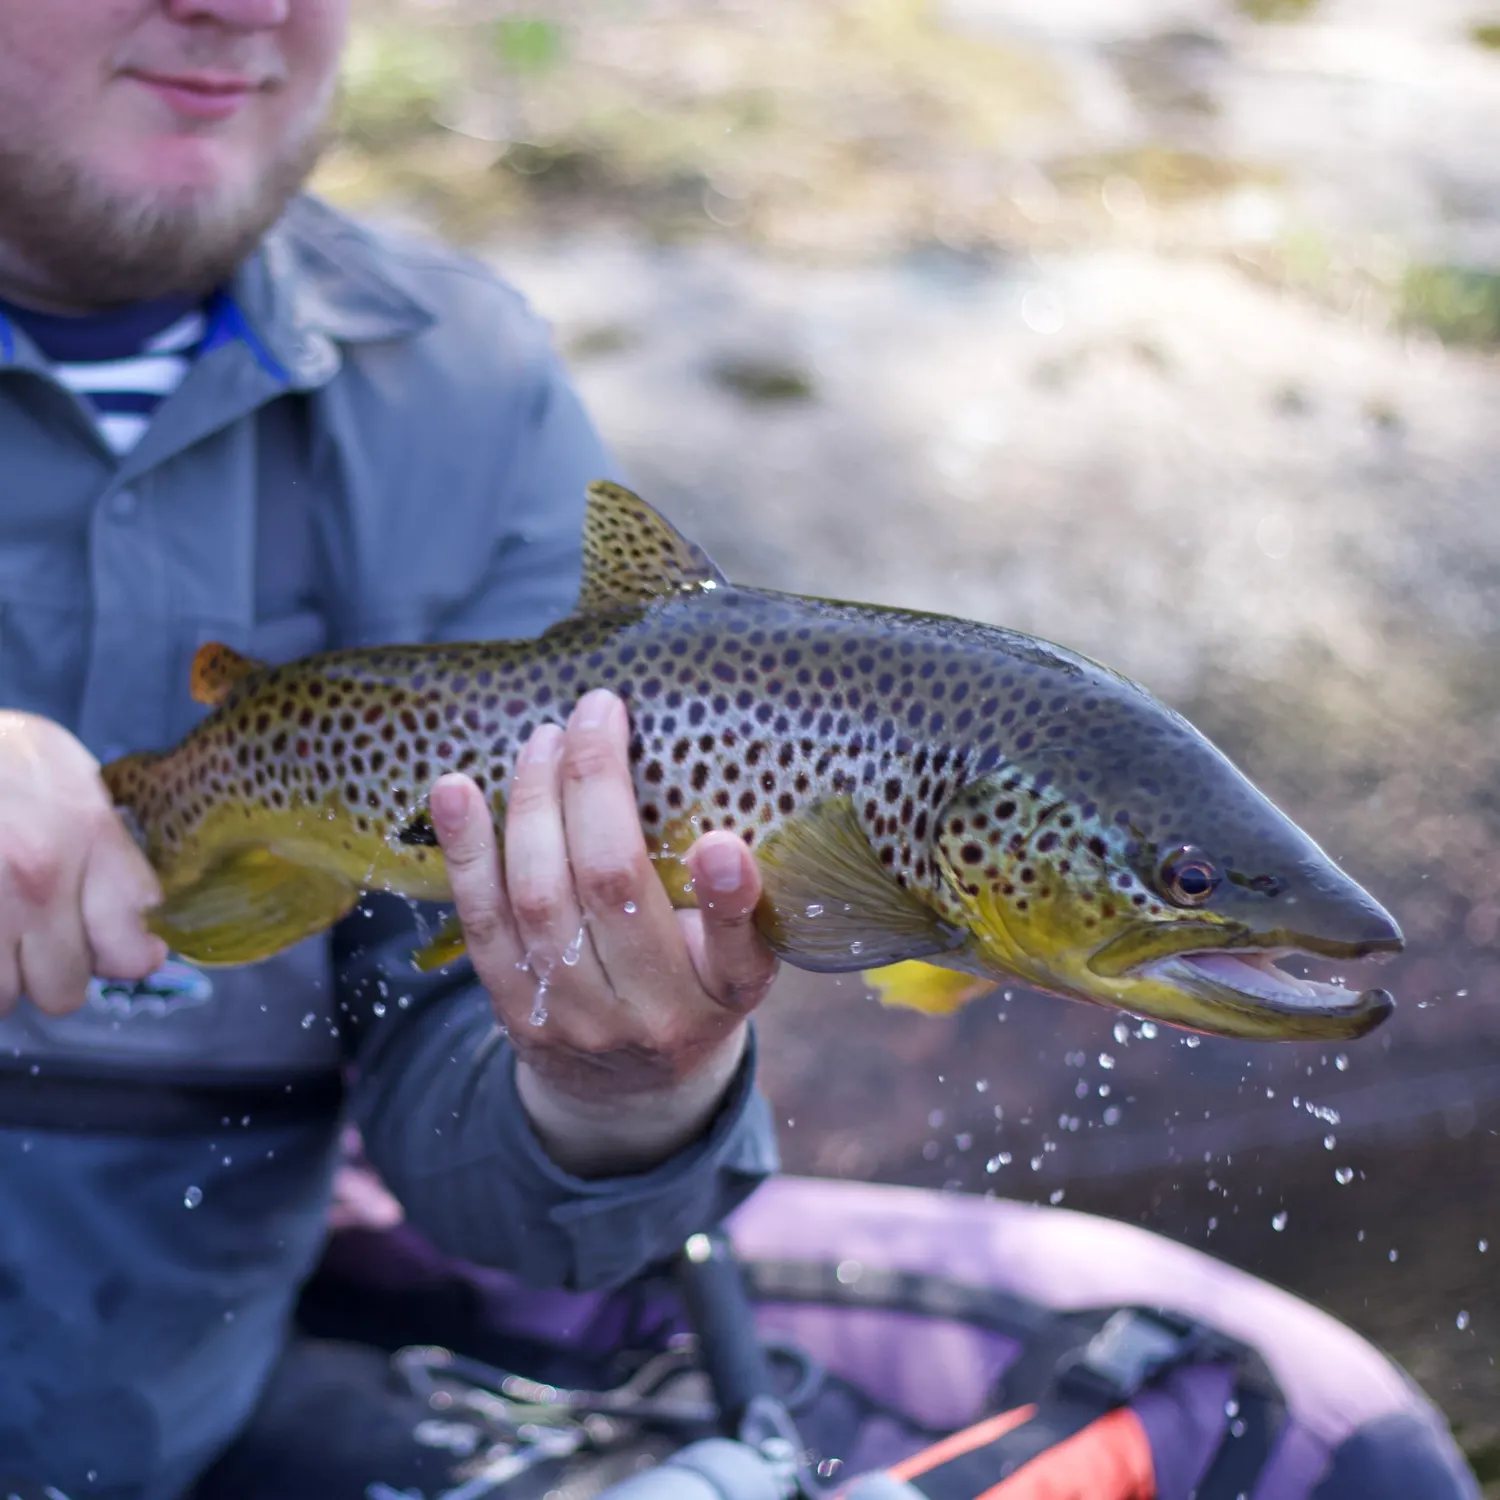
(627, 1016)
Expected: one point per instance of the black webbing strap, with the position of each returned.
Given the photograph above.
(1075, 1367)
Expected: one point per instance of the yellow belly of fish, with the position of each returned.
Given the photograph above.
(240, 888)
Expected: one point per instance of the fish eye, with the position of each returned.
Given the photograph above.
(1189, 877)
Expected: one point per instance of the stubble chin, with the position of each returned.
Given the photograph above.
(83, 243)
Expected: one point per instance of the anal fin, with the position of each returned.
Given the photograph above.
(250, 905)
(913, 985)
(829, 903)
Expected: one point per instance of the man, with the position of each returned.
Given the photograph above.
(227, 413)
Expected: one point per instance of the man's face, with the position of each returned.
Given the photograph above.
(145, 145)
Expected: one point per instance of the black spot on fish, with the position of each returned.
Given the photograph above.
(419, 831)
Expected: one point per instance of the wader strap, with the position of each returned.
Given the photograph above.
(65, 1097)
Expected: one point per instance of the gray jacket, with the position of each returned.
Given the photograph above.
(377, 443)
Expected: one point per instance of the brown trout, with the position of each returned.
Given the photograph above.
(942, 804)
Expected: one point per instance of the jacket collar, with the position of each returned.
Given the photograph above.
(318, 280)
(315, 281)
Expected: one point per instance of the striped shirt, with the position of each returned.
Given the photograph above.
(122, 364)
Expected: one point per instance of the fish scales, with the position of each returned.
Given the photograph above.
(914, 786)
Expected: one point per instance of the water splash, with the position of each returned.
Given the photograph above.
(541, 970)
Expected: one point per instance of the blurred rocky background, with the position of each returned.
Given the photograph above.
(1167, 329)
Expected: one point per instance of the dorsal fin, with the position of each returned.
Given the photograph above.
(631, 555)
(216, 669)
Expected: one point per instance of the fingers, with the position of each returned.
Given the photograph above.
(539, 865)
(73, 884)
(630, 917)
(118, 887)
(733, 962)
(466, 833)
(53, 956)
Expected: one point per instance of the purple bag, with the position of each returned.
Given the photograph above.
(942, 1309)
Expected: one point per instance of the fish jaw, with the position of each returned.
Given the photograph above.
(1223, 977)
(1244, 993)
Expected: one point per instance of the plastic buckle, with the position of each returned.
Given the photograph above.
(1134, 1347)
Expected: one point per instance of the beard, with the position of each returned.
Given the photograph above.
(79, 244)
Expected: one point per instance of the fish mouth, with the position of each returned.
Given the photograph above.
(1244, 992)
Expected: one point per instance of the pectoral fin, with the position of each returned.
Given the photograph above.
(250, 905)
(925, 987)
(446, 946)
(829, 903)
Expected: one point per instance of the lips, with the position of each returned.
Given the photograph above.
(202, 95)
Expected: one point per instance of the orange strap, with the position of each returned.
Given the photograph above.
(961, 1442)
(1109, 1460)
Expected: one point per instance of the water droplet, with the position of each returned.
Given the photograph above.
(1106, 1061)
(1393, 1256)
(1192, 1041)
(856, 947)
(982, 1086)
(1278, 1221)
(402, 1001)
(1036, 1163)
(1483, 1246)
(378, 1007)
(963, 1140)
(1057, 1197)
(574, 951)
(1112, 1115)
(1341, 1062)
(1343, 1176)
(538, 1016)
(193, 1197)
(814, 909)
(934, 1119)
(629, 908)
(1461, 1321)
(828, 1467)
(994, 1164)
(1328, 1143)
(307, 1021)
(1231, 1408)
(1148, 1030)
(848, 1272)
(1122, 1033)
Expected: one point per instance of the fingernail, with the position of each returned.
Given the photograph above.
(720, 866)
(594, 709)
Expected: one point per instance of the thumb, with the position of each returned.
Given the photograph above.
(733, 961)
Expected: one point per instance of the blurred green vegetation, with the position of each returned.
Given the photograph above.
(805, 125)
(1275, 10)
(1461, 304)
(1486, 34)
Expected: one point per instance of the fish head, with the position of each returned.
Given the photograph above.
(1140, 870)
